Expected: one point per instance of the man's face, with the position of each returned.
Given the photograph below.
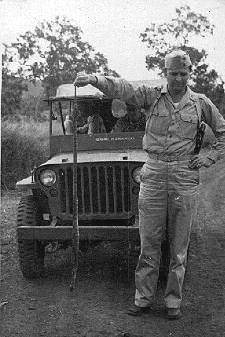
(177, 79)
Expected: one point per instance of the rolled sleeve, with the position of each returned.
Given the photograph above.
(119, 88)
(215, 120)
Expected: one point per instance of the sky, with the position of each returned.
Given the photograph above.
(113, 27)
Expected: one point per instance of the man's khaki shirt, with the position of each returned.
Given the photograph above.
(169, 130)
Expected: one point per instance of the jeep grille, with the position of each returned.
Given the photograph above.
(101, 189)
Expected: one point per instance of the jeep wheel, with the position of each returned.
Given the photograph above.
(31, 252)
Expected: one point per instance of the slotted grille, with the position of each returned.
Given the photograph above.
(100, 189)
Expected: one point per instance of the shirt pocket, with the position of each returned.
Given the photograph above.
(158, 123)
(188, 121)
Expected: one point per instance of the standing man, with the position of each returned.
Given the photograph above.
(170, 176)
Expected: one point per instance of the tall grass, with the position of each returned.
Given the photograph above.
(24, 145)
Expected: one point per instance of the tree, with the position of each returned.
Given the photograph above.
(163, 38)
(55, 52)
(12, 88)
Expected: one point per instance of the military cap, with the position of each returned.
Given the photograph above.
(177, 59)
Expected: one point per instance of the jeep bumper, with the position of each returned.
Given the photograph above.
(90, 233)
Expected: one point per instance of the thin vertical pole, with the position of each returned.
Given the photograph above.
(75, 232)
(50, 127)
(50, 119)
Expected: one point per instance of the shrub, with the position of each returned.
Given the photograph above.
(24, 145)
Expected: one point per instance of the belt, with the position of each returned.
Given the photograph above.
(169, 158)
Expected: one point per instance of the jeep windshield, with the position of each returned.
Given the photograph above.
(92, 105)
(96, 112)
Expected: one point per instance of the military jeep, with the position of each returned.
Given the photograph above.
(108, 167)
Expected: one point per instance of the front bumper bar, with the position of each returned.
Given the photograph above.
(90, 233)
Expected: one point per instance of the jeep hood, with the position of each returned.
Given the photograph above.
(99, 156)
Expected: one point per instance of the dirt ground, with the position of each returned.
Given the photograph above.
(105, 283)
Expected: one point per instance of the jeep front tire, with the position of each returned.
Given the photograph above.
(31, 252)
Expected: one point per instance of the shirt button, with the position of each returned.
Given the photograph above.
(170, 136)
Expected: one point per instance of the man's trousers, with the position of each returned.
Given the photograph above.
(168, 197)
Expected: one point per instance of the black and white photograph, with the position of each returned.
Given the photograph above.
(112, 168)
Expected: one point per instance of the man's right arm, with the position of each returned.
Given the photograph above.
(118, 88)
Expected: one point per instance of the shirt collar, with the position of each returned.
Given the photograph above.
(189, 95)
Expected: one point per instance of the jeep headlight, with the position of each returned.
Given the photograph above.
(136, 174)
(48, 177)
